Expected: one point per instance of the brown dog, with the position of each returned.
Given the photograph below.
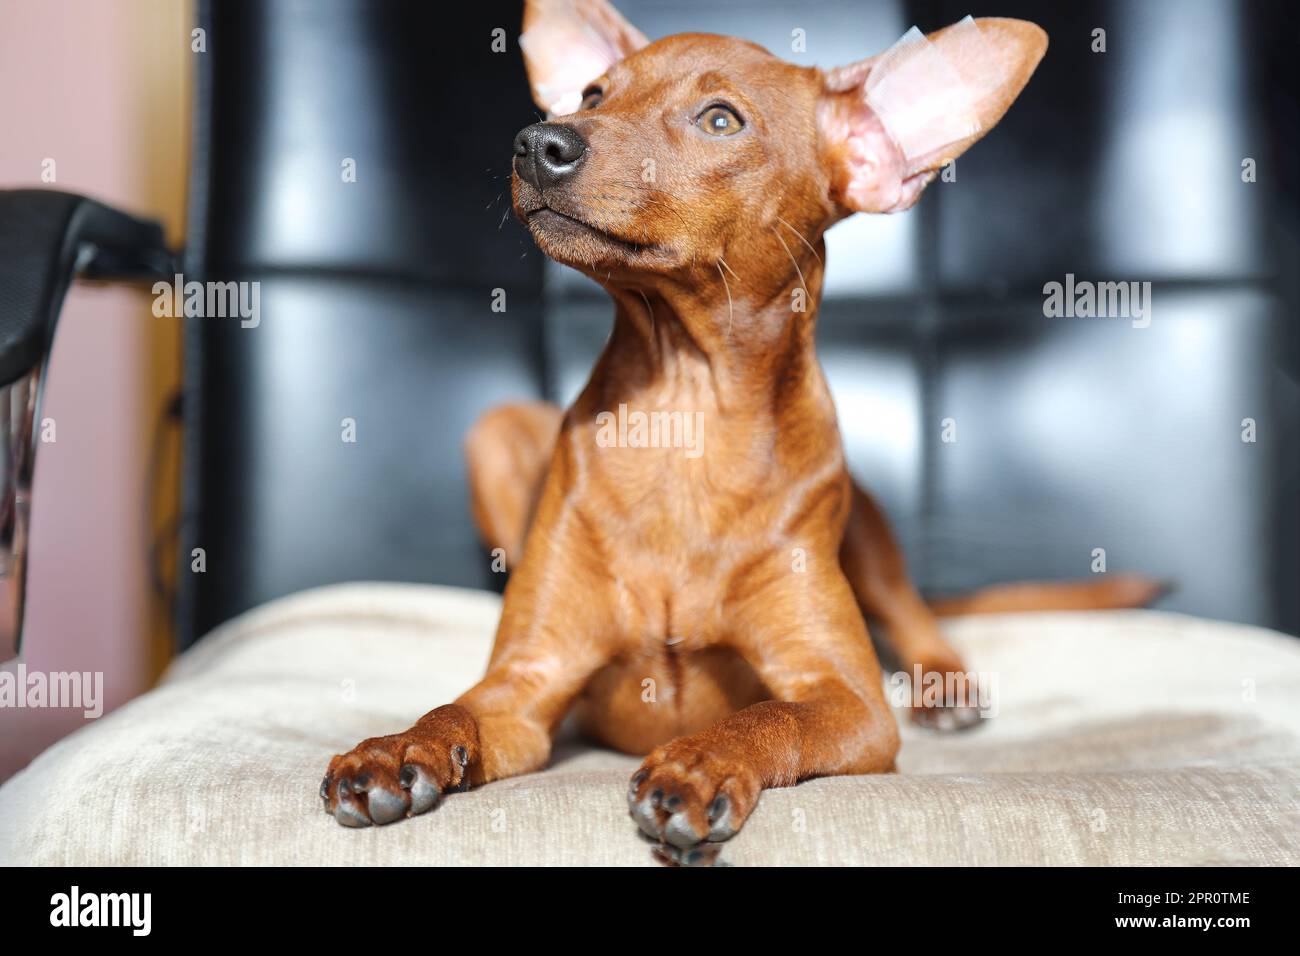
(707, 608)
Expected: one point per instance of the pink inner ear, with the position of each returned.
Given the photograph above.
(562, 59)
(899, 115)
(873, 169)
(569, 44)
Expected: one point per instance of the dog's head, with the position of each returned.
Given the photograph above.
(664, 157)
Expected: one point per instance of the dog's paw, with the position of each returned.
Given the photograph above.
(384, 779)
(946, 719)
(684, 796)
(950, 700)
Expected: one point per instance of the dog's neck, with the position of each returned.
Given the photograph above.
(718, 339)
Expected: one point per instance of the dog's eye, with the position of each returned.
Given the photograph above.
(719, 120)
(591, 99)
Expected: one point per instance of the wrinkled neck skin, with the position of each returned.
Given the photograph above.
(716, 341)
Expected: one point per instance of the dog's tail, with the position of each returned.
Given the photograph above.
(1109, 591)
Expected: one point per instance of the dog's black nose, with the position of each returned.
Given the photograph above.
(546, 154)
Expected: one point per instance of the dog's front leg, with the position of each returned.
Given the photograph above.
(805, 638)
(554, 634)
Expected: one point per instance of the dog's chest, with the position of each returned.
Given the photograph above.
(673, 561)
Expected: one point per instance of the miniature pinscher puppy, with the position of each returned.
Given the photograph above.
(705, 609)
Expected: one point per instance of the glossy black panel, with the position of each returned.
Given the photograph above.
(353, 158)
(333, 431)
(306, 92)
(1075, 434)
(1126, 162)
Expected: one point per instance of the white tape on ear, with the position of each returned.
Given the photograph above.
(927, 94)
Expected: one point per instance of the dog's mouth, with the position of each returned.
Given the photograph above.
(551, 222)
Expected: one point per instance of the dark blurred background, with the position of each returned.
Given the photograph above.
(1072, 433)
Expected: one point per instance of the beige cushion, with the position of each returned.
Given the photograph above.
(1122, 738)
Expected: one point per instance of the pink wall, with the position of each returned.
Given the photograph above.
(102, 89)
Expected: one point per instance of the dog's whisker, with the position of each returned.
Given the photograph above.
(801, 238)
(731, 314)
(802, 283)
(651, 311)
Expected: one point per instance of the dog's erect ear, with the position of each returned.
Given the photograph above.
(569, 43)
(889, 123)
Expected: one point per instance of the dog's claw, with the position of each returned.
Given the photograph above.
(386, 806)
(349, 813)
(424, 792)
(641, 810)
(718, 807)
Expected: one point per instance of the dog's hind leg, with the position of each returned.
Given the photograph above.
(507, 452)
